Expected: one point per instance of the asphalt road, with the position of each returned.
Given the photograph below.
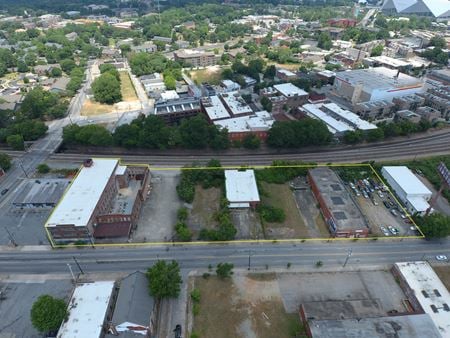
(198, 256)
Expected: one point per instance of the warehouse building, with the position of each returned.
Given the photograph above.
(409, 189)
(103, 201)
(374, 84)
(426, 292)
(439, 9)
(88, 310)
(342, 215)
(241, 189)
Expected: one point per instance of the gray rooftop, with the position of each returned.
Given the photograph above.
(339, 201)
(48, 191)
(411, 326)
(378, 78)
(134, 304)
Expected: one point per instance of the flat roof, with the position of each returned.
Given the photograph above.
(430, 292)
(405, 178)
(214, 108)
(288, 89)
(80, 199)
(236, 103)
(410, 326)
(286, 72)
(260, 121)
(349, 117)
(41, 191)
(346, 214)
(390, 61)
(87, 310)
(241, 186)
(378, 78)
(333, 125)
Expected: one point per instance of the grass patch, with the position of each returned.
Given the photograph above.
(212, 75)
(127, 88)
(92, 108)
(281, 196)
(206, 204)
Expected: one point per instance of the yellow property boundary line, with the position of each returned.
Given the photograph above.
(242, 241)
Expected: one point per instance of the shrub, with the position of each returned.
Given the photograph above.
(43, 168)
(271, 214)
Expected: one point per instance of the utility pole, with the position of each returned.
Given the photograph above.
(347, 258)
(249, 257)
(71, 272)
(11, 238)
(23, 169)
(79, 267)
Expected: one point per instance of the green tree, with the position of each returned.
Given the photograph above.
(194, 132)
(435, 225)
(106, 89)
(324, 41)
(38, 103)
(270, 72)
(48, 313)
(5, 161)
(377, 50)
(374, 135)
(164, 279)
(224, 270)
(43, 168)
(16, 142)
(109, 68)
(353, 136)
(251, 141)
(170, 82)
(266, 103)
(67, 65)
(56, 72)
(22, 67)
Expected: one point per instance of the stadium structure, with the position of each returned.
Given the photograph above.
(439, 9)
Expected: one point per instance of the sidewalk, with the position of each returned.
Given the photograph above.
(10, 248)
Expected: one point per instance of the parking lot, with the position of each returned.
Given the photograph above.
(384, 215)
(17, 298)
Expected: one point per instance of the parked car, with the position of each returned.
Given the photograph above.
(386, 204)
(402, 216)
(441, 257)
(384, 231)
(380, 194)
(374, 201)
(4, 191)
(393, 230)
(394, 212)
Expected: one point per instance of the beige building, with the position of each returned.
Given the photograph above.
(196, 58)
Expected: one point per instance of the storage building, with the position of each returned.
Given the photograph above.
(241, 189)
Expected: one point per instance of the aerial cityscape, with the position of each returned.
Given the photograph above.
(221, 169)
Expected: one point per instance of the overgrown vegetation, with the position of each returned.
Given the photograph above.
(285, 172)
(224, 270)
(164, 279)
(271, 214)
(435, 225)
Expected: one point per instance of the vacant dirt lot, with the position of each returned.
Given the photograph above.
(92, 108)
(243, 306)
(206, 204)
(281, 196)
(126, 88)
(212, 75)
(444, 274)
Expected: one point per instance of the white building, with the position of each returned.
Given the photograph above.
(409, 189)
(230, 86)
(434, 8)
(375, 84)
(88, 309)
(260, 121)
(338, 120)
(425, 289)
(289, 90)
(241, 188)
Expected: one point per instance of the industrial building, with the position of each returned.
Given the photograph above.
(340, 211)
(426, 293)
(40, 193)
(241, 189)
(439, 9)
(409, 189)
(103, 201)
(173, 111)
(374, 84)
(338, 120)
(257, 124)
(196, 58)
(285, 96)
(88, 310)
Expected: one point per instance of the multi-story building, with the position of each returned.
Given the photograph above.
(374, 84)
(103, 201)
(173, 111)
(196, 58)
(284, 96)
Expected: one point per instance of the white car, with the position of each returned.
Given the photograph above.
(384, 231)
(441, 257)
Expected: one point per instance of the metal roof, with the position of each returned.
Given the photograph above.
(241, 186)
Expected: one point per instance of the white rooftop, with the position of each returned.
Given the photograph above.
(286, 72)
(333, 125)
(241, 186)
(169, 95)
(260, 121)
(217, 110)
(236, 103)
(349, 117)
(409, 182)
(418, 203)
(288, 89)
(80, 199)
(429, 291)
(87, 311)
(390, 61)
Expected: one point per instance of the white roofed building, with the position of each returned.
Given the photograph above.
(439, 9)
(241, 188)
(425, 292)
(410, 190)
(88, 310)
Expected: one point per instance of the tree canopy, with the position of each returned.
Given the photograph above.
(435, 225)
(106, 89)
(47, 313)
(164, 279)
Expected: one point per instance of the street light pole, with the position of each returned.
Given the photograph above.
(23, 169)
(347, 258)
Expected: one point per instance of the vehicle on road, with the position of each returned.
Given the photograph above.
(4, 191)
(441, 257)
